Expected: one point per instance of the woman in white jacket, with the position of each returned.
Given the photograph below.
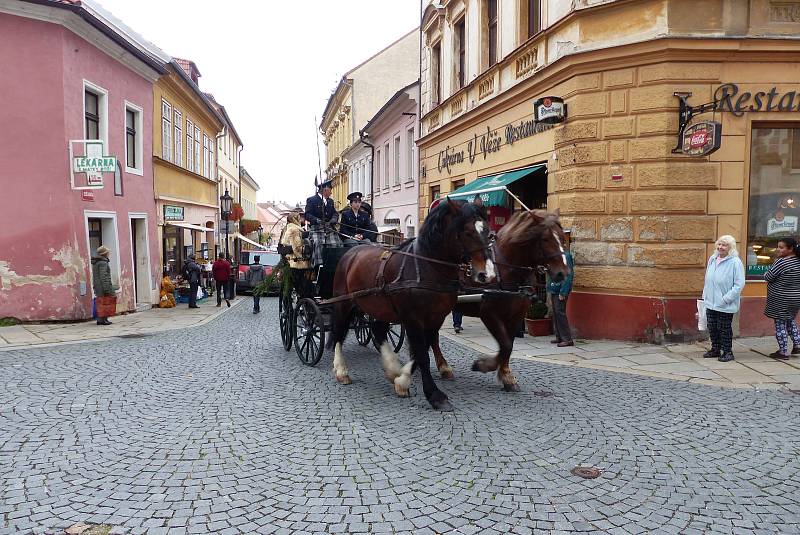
(721, 293)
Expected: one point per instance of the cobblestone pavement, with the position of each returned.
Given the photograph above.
(216, 429)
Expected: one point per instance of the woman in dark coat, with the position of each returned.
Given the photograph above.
(101, 279)
(783, 297)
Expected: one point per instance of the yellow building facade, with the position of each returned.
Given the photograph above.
(184, 165)
(644, 217)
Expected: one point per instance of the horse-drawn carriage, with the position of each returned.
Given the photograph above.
(305, 316)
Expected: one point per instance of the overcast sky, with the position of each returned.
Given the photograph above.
(273, 66)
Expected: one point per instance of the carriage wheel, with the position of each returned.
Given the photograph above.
(362, 328)
(309, 332)
(395, 336)
(286, 319)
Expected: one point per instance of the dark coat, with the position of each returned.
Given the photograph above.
(352, 223)
(316, 215)
(192, 272)
(783, 289)
(101, 277)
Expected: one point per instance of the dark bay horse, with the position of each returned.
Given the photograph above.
(529, 240)
(420, 280)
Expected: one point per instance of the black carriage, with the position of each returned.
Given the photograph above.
(305, 318)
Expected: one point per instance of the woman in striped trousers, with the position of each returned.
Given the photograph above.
(783, 297)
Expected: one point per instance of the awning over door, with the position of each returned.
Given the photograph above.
(251, 242)
(492, 188)
(189, 226)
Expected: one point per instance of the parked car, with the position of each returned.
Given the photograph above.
(269, 259)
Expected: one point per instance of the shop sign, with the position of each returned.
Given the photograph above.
(702, 138)
(757, 270)
(85, 164)
(391, 221)
(550, 110)
(781, 224)
(728, 98)
(173, 213)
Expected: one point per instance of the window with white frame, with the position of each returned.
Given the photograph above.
(95, 112)
(134, 153)
(197, 161)
(178, 138)
(378, 172)
(212, 169)
(206, 163)
(166, 130)
(189, 145)
(396, 161)
(410, 155)
(386, 165)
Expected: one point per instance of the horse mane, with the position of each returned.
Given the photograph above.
(432, 233)
(520, 229)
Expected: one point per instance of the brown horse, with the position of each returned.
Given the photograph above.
(419, 281)
(529, 240)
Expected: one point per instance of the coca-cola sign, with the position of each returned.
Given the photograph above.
(701, 139)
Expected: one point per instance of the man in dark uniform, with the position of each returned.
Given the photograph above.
(321, 215)
(372, 233)
(354, 225)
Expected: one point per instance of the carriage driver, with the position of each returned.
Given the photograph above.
(321, 216)
(355, 224)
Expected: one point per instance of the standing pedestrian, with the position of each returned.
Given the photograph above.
(255, 276)
(221, 270)
(559, 293)
(102, 285)
(191, 271)
(721, 292)
(783, 297)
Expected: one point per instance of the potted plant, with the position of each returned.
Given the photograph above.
(536, 320)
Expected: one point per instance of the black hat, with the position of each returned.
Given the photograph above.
(355, 196)
(325, 184)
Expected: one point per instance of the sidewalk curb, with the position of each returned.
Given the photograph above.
(200, 323)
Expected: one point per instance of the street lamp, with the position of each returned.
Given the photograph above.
(260, 231)
(225, 209)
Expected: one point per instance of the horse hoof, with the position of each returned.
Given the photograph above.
(401, 392)
(442, 405)
(344, 379)
(390, 377)
(448, 375)
(511, 387)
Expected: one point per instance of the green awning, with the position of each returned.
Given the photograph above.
(492, 188)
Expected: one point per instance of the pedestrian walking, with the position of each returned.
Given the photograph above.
(104, 290)
(783, 297)
(721, 292)
(559, 294)
(458, 318)
(221, 270)
(255, 276)
(191, 272)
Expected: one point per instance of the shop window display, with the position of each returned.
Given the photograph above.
(774, 207)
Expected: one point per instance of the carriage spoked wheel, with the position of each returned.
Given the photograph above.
(286, 318)
(309, 332)
(395, 335)
(361, 326)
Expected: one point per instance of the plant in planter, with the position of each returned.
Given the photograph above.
(536, 320)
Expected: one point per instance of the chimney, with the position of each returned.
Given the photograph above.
(190, 69)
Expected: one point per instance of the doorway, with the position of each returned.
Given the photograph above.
(140, 254)
(101, 229)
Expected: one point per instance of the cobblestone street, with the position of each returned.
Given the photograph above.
(214, 429)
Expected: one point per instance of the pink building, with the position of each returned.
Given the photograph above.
(394, 183)
(76, 76)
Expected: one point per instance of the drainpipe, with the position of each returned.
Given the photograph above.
(364, 135)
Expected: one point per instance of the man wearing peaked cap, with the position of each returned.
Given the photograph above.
(355, 225)
(321, 216)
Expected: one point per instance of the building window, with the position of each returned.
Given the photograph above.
(386, 166)
(410, 155)
(774, 203)
(212, 169)
(378, 171)
(178, 138)
(435, 193)
(461, 50)
(197, 161)
(531, 17)
(166, 130)
(396, 161)
(189, 145)
(206, 162)
(92, 114)
(436, 73)
(491, 30)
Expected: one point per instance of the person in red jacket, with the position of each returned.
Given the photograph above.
(221, 270)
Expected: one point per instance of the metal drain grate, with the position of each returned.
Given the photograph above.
(586, 472)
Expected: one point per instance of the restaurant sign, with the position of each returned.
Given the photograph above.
(173, 213)
(702, 138)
